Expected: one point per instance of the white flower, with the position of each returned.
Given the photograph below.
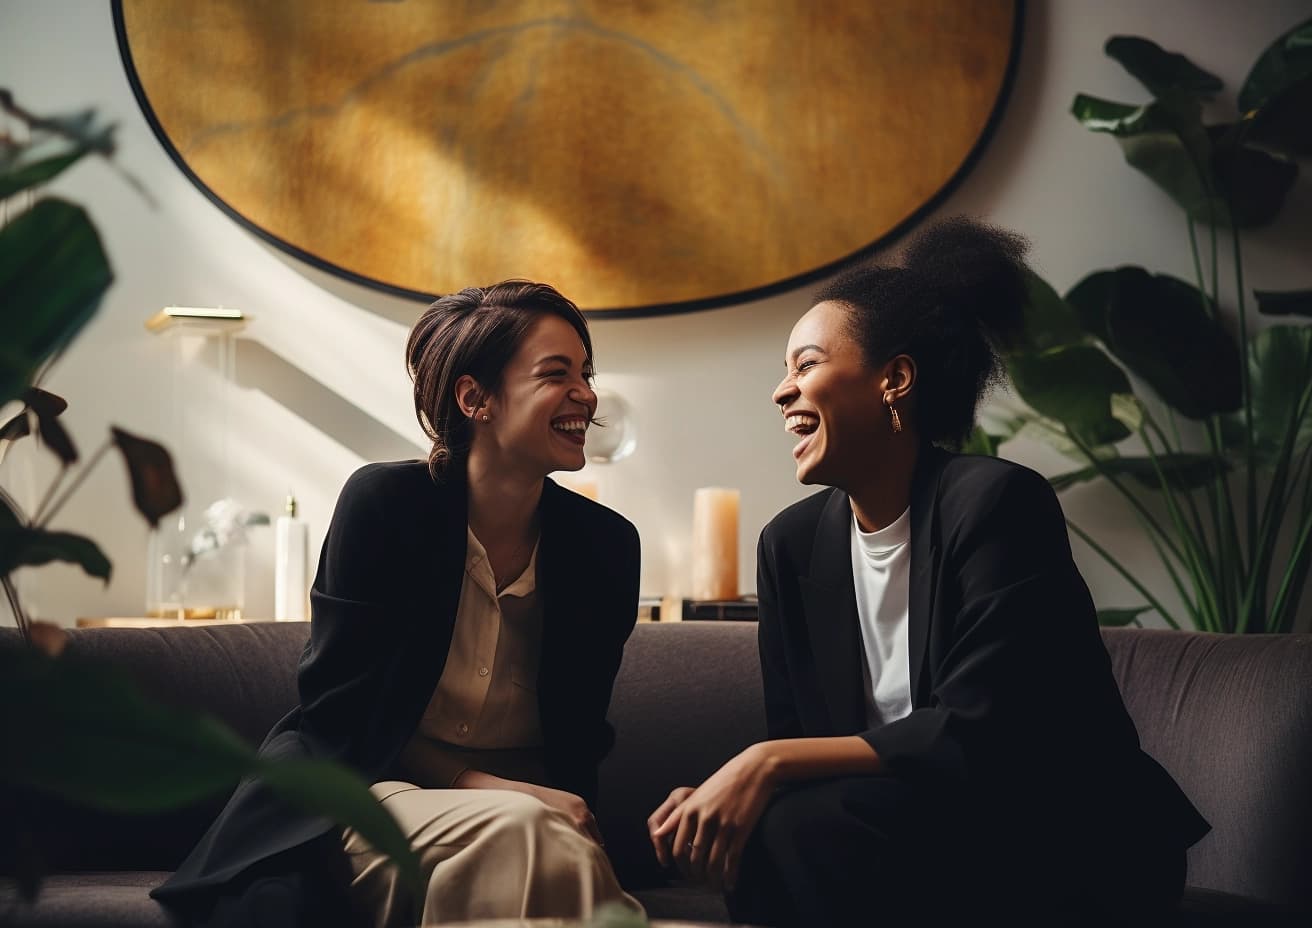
(225, 524)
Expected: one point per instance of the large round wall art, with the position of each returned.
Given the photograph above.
(644, 157)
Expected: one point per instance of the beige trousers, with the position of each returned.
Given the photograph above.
(484, 854)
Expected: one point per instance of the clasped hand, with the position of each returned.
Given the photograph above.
(703, 831)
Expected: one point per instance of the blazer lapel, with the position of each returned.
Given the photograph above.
(924, 569)
(449, 520)
(549, 573)
(829, 598)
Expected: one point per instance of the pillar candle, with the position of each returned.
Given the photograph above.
(715, 543)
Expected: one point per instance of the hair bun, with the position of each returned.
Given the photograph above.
(975, 269)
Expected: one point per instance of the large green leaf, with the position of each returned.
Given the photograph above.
(1287, 61)
(53, 274)
(1276, 98)
(1166, 140)
(1279, 369)
(330, 789)
(1253, 183)
(84, 732)
(1180, 471)
(1159, 70)
(1049, 320)
(1157, 326)
(1073, 384)
(1284, 303)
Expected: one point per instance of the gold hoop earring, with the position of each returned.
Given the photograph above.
(897, 420)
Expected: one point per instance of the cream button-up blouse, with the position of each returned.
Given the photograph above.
(484, 711)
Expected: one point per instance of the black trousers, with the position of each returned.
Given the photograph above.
(877, 851)
(306, 887)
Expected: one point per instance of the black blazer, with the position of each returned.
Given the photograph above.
(384, 605)
(1014, 704)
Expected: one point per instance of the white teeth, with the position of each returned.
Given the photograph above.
(802, 425)
(572, 425)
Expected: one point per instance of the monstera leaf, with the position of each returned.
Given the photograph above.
(1276, 98)
(1157, 326)
(1073, 384)
(1162, 72)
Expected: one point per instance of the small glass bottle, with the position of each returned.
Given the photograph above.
(291, 566)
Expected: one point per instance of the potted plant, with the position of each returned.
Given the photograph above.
(1210, 446)
(79, 731)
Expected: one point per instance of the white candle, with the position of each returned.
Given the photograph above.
(715, 543)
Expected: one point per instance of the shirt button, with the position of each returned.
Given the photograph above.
(482, 671)
(462, 729)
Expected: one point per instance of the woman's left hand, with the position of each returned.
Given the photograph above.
(711, 826)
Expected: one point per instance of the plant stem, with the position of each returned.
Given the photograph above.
(1245, 387)
(1208, 306)
(1273, 513)
(1200, 532)
(13, 505)
(1133, 500)
(1142, 590)
(1211, 226)
(1293, 579)
(1197, 571)
(20, 617)
(1200, 621)
(45, 518)
(50, 492)
(1233, 552)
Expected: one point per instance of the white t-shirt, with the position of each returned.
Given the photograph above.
(881, 568)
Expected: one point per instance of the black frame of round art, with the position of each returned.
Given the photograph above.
(626, 312)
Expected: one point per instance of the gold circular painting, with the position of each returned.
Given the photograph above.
(643, 156)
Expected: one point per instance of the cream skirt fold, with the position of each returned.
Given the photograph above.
(483, 854)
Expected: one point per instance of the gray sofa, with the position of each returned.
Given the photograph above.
(1230, 717)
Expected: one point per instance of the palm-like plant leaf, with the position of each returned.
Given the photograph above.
(1179, 471)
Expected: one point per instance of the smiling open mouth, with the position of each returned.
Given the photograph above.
(571, 428)
(803, 426)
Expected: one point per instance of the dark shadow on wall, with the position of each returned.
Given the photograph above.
(258, 368)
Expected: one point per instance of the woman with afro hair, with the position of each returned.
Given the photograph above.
(945, 735)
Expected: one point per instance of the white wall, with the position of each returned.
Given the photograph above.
(322, 387)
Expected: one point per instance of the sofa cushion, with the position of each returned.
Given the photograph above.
(687, 698)
(1230, 717)
(89, 900)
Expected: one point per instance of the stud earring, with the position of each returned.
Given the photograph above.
(486, 417)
